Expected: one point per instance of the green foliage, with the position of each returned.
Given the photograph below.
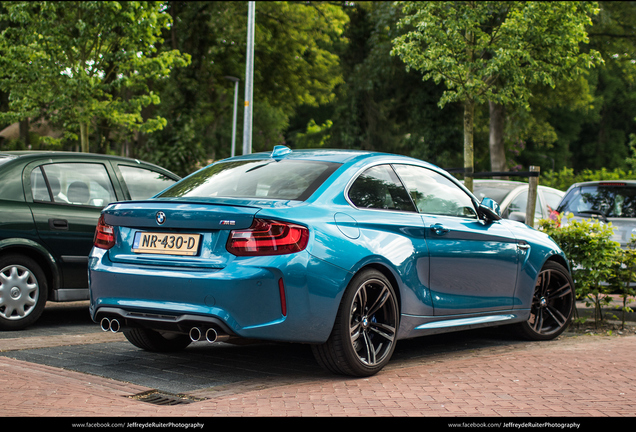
(380, 106)
(599, 266)
(295, 64)
(78, 62)
(624, 276)
(493, 51)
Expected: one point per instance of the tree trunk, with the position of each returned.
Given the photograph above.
(469, 113)
(84, 136)
(24, 132)
(497, 151)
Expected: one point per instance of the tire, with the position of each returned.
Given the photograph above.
(552, 304)
(151, 340)
(23, 292)
(365, 330)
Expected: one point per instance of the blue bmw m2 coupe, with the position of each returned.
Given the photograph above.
(348, 251)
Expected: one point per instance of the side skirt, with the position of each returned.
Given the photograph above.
(413, 326)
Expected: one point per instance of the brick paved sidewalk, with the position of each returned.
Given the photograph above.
(583, 376)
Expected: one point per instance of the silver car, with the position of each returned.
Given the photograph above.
(512, 197)
(608, 201)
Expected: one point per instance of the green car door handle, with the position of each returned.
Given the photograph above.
(58, 224)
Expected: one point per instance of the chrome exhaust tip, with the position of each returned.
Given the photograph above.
(195, 334)
(213, 336)
(105, 324)
(114, 326)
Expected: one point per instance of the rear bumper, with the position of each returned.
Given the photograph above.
(242, 299)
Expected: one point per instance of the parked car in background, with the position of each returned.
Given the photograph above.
(609, 201)
(49, 206)
(512, 197)
(348, 251)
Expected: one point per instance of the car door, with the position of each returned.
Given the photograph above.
(473, 265)
(394, 231)
(66, 201)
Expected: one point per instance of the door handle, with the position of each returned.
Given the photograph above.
(439, 229)
(58, 224)
(523, 245)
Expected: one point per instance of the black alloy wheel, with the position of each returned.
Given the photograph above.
(552, 304)
(365, 331)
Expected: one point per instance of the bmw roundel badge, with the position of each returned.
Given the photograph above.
(161, 217)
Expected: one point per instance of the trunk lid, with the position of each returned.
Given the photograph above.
(169, 223)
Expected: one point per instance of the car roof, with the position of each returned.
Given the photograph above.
(326, 155)
(342, 156)
(605, 182)
(509, 184)
(26, 155)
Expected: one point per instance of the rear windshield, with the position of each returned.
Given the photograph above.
(608, 200)
(285, 180)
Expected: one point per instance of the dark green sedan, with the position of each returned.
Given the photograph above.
(49, 206)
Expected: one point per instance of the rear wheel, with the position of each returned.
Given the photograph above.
(364, 334)
(23, 292)
(151, 340)
(552, 304)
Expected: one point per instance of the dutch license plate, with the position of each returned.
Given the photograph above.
(166, 243)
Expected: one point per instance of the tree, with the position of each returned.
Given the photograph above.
(294, 65)
(494, 51)
(78, 62)
(380, 105)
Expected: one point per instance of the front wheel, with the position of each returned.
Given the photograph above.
(23, 292)
(365, 330)
(552, 304)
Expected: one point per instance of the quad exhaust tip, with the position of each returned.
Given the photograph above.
(196, 333)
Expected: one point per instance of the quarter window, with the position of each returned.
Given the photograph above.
(433, 193)
(380, 188)
(520, 203)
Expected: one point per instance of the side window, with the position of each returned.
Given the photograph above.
(74, 183)
(379, 188)
(143, 183)
(520, 203)
(552, 200)
(434, 193)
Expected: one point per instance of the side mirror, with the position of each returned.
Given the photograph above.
(490, 210)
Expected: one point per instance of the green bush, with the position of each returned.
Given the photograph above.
(599, 266)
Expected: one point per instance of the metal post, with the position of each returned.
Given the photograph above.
(236, 87)
(533, 184)
(249, 76)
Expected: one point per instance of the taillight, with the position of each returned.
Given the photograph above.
(268, 237)
(104, 235)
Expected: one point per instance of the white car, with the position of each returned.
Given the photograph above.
(512, 197)
(608, 201)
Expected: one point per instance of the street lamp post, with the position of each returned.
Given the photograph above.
(249, 75)
(236, 87)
